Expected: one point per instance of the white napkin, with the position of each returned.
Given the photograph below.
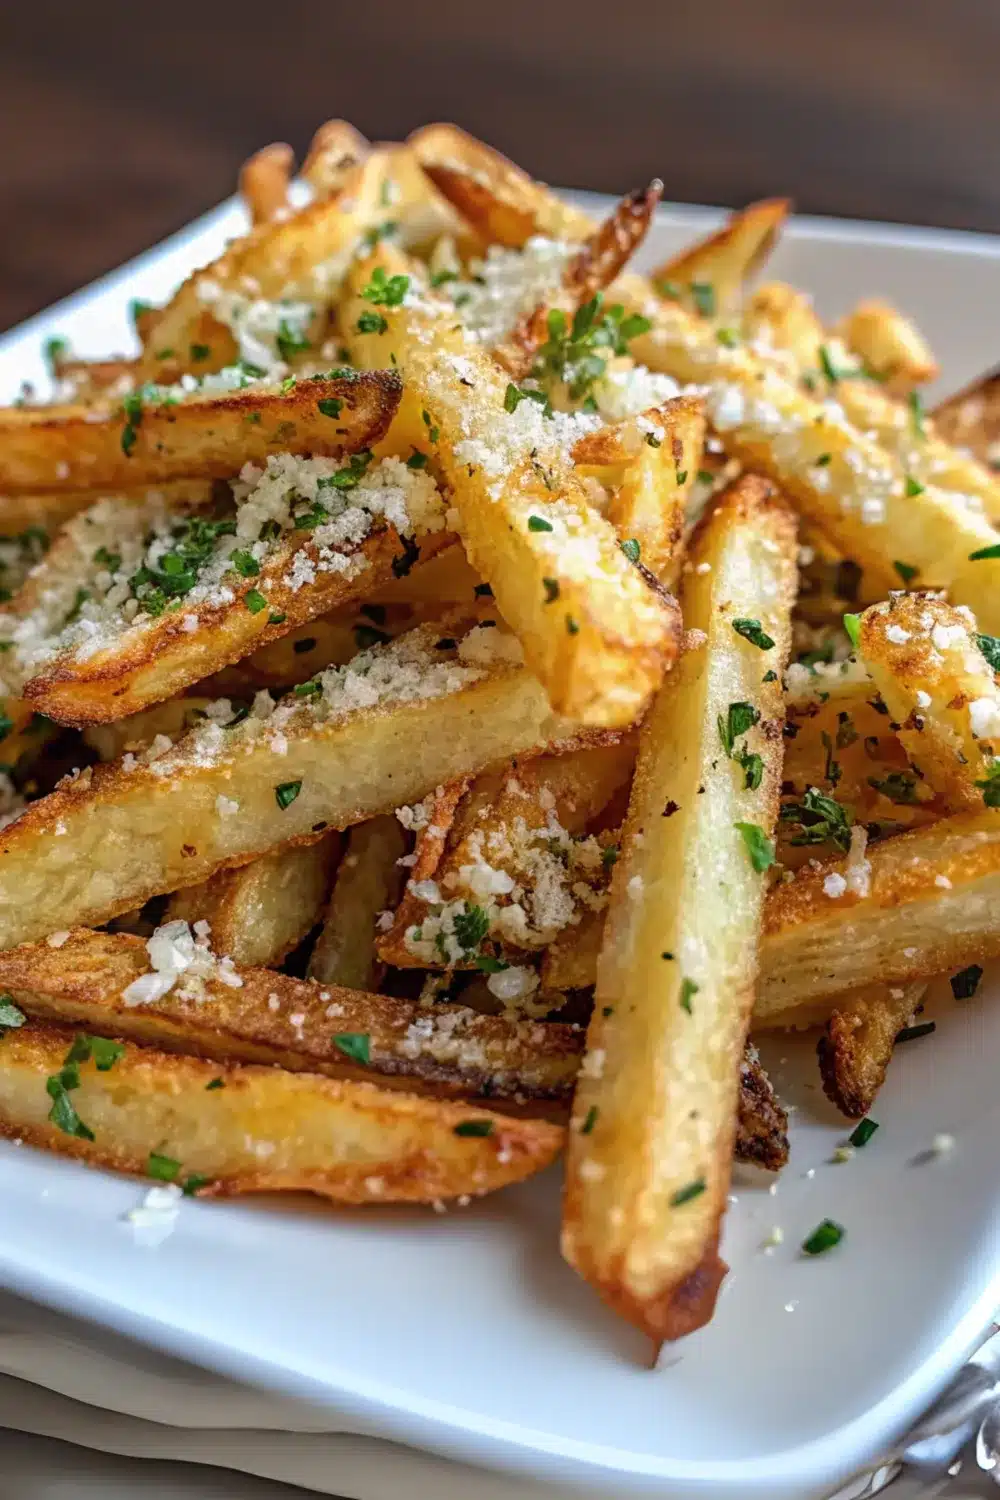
(63, 1379)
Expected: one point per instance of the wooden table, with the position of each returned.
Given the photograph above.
(121, 122)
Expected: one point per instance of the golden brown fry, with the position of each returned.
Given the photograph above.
(856, 1046)
(261, 911)
(333, 151)
(926, 662)
(90, 379)
(350, 1142)
(646, 1187)
(596, 264)
(201, 437)
(970, 420)
(781, 319)
(596, 633)
(891, 345)
(502, 203)
(725, 260)
(444, 1049)
(650, 481)
(512, 845)
(264, 182)
(112, 837)
(931, 908)
(173, 718)
(848, 485)
(368, 882)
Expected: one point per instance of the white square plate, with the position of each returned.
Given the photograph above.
(465, 1333)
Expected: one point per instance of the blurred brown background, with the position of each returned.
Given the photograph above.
(120, 121)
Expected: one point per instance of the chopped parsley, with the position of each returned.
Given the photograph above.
(897, 786)
(821, 819)
(984, 553)
(852, 624)
(357, 1045)
(751, 631)
(290, 340)
(330, 406)
(11, 1015)
(989, 645)
(539, 523)
(193, 1184)
(216, 1083)
(689, 988)
(371, 322)
(823, 1238)
(631, 549)
(863, 1132)
(688, 1192)
(286, 793)
(471, 925)
(551, 587)
(162, 1168)
(828, 367)
(906, 571)
(254, 601)
(386, 291)
(417, 460)
(132, 412)
(53, 351)
(474, 1127)
(572, 626)
(571, 351)
(609, 856)
(740, 718)
(965, 983)
(913, 487)
(917, 413)
(703, 296)
(590, 1121)
(245, 563)
(759, 847)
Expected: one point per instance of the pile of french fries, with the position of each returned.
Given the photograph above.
(456, 688)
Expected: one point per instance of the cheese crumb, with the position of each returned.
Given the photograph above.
(834, 885)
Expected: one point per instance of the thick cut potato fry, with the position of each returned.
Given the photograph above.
(891, 345)
(594, 629)
(264, 1130)
(368, 882)
(52, 510)
(598, 261)
(296, 262)
(724, 261)
(781, 320)
(834, 474)
(171, 719)
(905, 432)
(970, 420)
(654, 1114)
(201, 437)
(334, 150)
(856, 1047)
(445, 1049)
(92, 379)
(264, 181)
(259, 912)
(115, 835)
(510, 847)
(925, 659)
(931, 907)
(503, 204)
(650, 482)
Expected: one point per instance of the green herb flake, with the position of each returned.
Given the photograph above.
(357, 1045)
(572, 626)
(912, 487)
(372, 322)
(11, 1015)
(965, 983)
(751, 631)
(330, 406)
(193, 1184)
(852, 624)
(821, 819)
(689, 988)
(863, 1132)
(277, 617)
(985, 553)
(162, 1168)
(917, 414)
(590, 1121)
(906, 572)
(687, 1193)
(703, 296)
(551, 587)
(470, 926)
(245, 563)
(417, 460)
(631, 549)
(216, 1083)
(539, 523)
(474, 1127)
(200, 352)
(823, 1238)
(286, 793)
(386, 291)
(759, 847)
(254, 601)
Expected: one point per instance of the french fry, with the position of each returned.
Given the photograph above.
(911, 437)
(91, 379)
(930, 908)
(442, 1049)
(334, 150)
(650, 483)
(857, 1044)
(506, 859)
(173, 718)
(110, 446)
(503, 204)
(971, 419)
(926, 660)
(398, 721)
(781, 319)
(891, 345)
(594, 631)
(264, 181)
(646, 1187)
(367, 883)
(296, 262)
(85, 667)
(264, 1130)
(598, 261)
(711, 274)
(259, 912)
(47, 513)
(836, 476)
